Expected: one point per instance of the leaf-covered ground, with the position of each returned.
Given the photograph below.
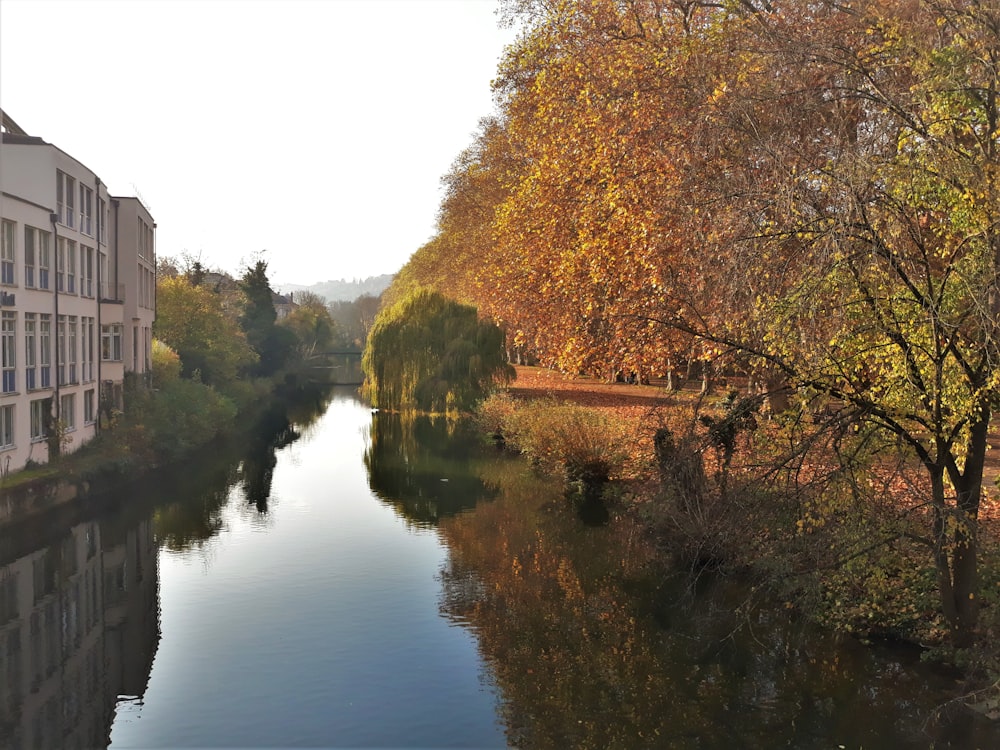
(649, 406)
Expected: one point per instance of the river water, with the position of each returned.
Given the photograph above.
(344, 579)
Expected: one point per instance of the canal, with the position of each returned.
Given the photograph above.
(346, 579)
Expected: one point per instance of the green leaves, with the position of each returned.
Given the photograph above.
(432, 354)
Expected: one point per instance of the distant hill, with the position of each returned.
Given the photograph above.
(342, 290)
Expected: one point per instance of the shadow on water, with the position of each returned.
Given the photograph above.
(79, 605)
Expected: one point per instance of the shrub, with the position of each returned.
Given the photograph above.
(586, 447)
(183, 415)
(166, 364)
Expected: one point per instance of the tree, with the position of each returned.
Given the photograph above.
(855, 236)
(433, 354)
(192, 322)
(809, 187)
(258, 321)
(311, 323)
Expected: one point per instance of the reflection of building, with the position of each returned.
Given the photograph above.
(77, 297)
(78, 628)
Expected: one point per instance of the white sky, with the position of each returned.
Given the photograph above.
(317, 130)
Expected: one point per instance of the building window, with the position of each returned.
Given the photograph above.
(86, 271)
(67, 411)
(30, 334)
(40, 242)
(86, 210)
(111, 342)
(7, 253)
(71, 359)
(103, 282)
(88, 407)
(45, 348)
(6, 426)
(61, 349)
(65, 187)
(40, 410)
(66, 266)
(102, 221)
(87, 349)
(8, 326)
(29, 256)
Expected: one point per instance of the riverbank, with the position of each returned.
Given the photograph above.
(164, 429)
(820, 566)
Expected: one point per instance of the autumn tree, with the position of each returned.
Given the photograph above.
(311, 323)
(810, 188)
(192, 322)
(854, 238)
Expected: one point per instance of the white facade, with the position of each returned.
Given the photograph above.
(76, 299)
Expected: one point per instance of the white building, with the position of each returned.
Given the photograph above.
(77, 297)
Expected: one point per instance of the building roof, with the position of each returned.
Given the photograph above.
(23, 140)
(9, 126)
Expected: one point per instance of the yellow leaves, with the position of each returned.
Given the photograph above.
(720, 90)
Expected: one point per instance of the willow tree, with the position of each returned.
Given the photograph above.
(431, 353)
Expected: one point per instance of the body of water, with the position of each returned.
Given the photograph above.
(344, 579)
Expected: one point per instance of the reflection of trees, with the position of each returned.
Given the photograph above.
(274, 432)
(591, 649)
(423, 466)
(199, 493)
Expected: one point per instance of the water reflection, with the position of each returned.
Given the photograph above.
(78, 628)
(79, 610)
(327, 629)
(191, 511)
(594, 645)
(423, 466)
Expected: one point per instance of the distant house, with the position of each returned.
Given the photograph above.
(283, 304)
(77, 296)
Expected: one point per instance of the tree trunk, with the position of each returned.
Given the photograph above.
(778, 393)
(706, 378)
(965, 571)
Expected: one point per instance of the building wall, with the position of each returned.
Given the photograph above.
(135, 232)
(67, 304)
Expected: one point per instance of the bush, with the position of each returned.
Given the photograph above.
(181, 416)
(586, 447)
(166, 364)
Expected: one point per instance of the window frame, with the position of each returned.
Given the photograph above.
(111, 342)
(38, 421)
(89, 412)
(7, 417)
(8, 350)
(8, 253)
(30, 349)
(65, 196)
(67, 411)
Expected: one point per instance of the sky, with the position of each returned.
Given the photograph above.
(311, 133)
